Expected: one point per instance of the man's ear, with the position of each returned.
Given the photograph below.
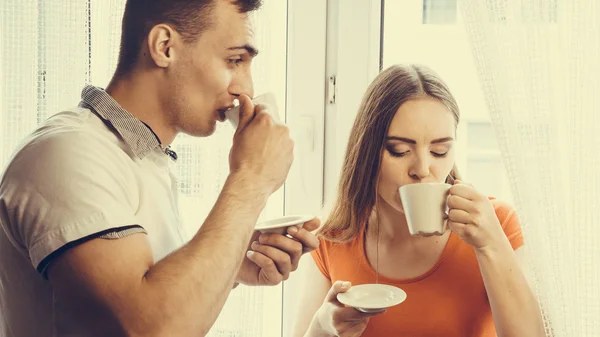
(161, 40)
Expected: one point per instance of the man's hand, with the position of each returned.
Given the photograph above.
(272, 257)
(262, 151)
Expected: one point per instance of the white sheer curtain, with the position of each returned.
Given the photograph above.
(538, 64)
(49, 49)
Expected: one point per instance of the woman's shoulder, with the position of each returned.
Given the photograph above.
(504, 210)
(340, 239)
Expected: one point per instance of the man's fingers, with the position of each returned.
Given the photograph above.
(246, 111)
(281, 259)
(268, 268)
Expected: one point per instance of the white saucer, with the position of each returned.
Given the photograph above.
(279, 225)
(372, 297)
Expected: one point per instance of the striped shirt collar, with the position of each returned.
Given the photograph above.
(137, 135)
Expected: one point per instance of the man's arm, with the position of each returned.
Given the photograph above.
(116, 281)
(119, 289)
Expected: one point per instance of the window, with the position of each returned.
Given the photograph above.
(439, 12)
(484, 167)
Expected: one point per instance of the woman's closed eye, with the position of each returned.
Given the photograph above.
(394, 153)
(439, 154)
(440, 151)
(404, 153)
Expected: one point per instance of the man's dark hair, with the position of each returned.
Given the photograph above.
(188, 17)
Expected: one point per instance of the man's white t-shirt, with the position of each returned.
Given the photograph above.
(93, 172)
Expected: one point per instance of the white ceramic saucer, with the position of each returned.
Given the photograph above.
(372, 297)
(280, 225)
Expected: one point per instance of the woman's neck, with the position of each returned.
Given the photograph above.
(391, 227)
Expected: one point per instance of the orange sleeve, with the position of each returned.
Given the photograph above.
(320, 257)
(510, 223)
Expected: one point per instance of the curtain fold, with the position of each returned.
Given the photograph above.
(537, 61)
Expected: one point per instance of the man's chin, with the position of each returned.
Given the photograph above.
(205, 131)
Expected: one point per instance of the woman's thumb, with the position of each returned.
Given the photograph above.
(336, 288)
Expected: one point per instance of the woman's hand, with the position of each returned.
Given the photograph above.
(471, 215)
(335, 319)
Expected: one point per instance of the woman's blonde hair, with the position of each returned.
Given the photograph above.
(357, 190)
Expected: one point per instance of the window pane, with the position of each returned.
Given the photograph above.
(481, 137)
(439, 12)
(488, 176)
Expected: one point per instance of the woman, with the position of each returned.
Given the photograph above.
(466, 282)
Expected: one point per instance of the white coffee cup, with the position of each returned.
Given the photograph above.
(266, 99)
(425, 207)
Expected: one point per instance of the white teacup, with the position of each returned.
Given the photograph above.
(425, 207)
(266, 99)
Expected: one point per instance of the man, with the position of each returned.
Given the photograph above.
(91, 242)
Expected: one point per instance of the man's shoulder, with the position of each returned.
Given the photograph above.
(77, 131)
(78, 124)
(69, 142)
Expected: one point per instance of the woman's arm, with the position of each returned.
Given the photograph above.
(473, 217)
(514, 307)
(313, 293)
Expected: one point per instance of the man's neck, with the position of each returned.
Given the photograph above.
(138, 94)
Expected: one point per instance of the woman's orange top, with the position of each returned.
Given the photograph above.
(448, 300)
